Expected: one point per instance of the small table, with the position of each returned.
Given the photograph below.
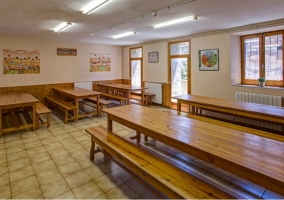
(125, 88)
(77, 94)
(17, 99)
(255, 158)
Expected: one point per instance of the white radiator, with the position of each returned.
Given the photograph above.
(260, 99)
(157, 89)
(84, 85)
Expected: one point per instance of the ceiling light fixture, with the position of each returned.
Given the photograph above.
(177, 21)
(124, 35)
(62, 27)
(94, 5)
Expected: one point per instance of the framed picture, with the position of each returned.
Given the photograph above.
(66, 52)
(208, 60)
(153, 57)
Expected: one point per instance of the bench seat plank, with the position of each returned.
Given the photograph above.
(168, 179)
(116, 97)
(42, 109)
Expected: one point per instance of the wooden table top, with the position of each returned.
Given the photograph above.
(15, 98)
(234, 105)
(123, 87)
(252, 157)
(76, 92)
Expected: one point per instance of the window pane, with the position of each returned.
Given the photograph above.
(179, 48)
(179, 76)
(136, 53)
(136, 73)
(273, 57)
(251, 51)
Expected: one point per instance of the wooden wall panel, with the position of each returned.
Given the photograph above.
(95, 83)
(126, 81)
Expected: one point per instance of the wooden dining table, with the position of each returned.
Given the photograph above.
(255, 158)
(266, 113)
(125, 88)
(17, 99)
(79, 93)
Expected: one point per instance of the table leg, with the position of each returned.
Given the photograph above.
(92, 150)
(1, 132)
(142, 97)
(178, 105)
(76, 117)
(34, 117)
(109, 123)
(98, 106)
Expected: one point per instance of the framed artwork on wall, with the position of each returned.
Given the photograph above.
(153, 57)
(66, 52)
(208, 60)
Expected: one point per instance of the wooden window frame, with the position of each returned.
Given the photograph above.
(130, 66)
(261, 37)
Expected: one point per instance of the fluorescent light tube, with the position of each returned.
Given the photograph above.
(62, 27)
(177, 21)
(123, 35)
(93, 6)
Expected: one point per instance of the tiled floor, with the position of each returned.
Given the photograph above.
(54, 163)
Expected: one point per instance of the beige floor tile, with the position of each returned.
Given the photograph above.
(69, 168)
(15, 149)
(77, 134)
(3, 152)
(14, 143)
(52, 146)
(21, 173)
(4, 179)
(82, 138)
(36, 150)
(121, 192)
(77, 179)
(68, 142)
(86, 163)
(58, 152)
(5, 192)
(28, 134)
(31, 139)
(110, 165)
(86, 143)
(45, 135)
(67, 195)
(2, 146)
(74, 147)
(24, 185)
(97, 171)
(81, 154)
(17, 156)
(43, 166)
(2, 140)
(55, 188)
(71, 129)
(136, 186)
(39, 157)
(17, 164)
(87, 191)
(108, 182)
(33, 144)
(63, 160)
(148, 195)
(59, 132)
(64, 137)
(32, 194)
(12, 137)
(48, 176)
(4, 168)
(122, 175)
(3, 159)
(103, 196)
(49, 140)
(55, 128)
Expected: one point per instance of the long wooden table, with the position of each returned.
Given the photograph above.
(79, 93)
(125, 88)
(267, 113)
(17, 99)
(252, 157)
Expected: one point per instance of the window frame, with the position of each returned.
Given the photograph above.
(261, 37)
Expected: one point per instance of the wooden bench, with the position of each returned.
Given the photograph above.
(102, 103)
(42, 109)
(148, 97)
(160, 175)
(66, 106)
(121, 99)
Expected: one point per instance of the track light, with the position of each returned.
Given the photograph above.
(177, 21)
(62, 27)
(124, 35)
(94, 5)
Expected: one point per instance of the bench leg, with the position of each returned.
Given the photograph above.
(47, 120)
(138, 135)
(92, 150)
(145, 138)
(37, 121)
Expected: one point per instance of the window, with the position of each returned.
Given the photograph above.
(136, 66)
(262, 56)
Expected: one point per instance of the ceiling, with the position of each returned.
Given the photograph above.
(39, 18)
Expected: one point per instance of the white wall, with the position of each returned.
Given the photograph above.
(153, 72)
(59, 69)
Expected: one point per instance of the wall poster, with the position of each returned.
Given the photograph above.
(100, 62)
(21, 62)
(208, 60)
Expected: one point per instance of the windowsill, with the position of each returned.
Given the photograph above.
(255, 86)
